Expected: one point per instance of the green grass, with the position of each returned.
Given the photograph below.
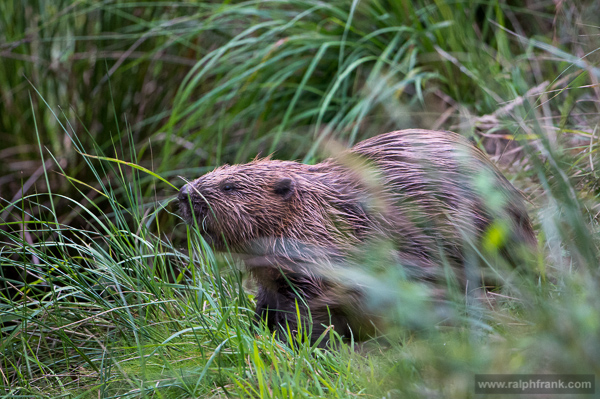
(104, 292)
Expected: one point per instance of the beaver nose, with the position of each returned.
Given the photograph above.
(184, 193)
(191, 192)
(185, 190)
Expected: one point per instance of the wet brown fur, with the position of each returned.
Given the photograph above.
(422, 190)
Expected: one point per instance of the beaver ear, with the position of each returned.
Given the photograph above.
(285, 187)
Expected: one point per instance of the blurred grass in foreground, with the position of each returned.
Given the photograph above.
(105, 293)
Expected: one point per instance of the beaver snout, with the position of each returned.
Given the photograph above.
(184, 197)
(185, 190)
(189, 195)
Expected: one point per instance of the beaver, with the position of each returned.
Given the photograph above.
(433, 196)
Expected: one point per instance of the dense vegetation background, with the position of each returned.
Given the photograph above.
(106, 106)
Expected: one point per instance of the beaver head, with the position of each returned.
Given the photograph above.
(276, 203)
(234, 205)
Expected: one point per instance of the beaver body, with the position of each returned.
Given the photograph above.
(432, 196)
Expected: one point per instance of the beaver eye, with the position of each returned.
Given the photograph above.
(228, 187)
